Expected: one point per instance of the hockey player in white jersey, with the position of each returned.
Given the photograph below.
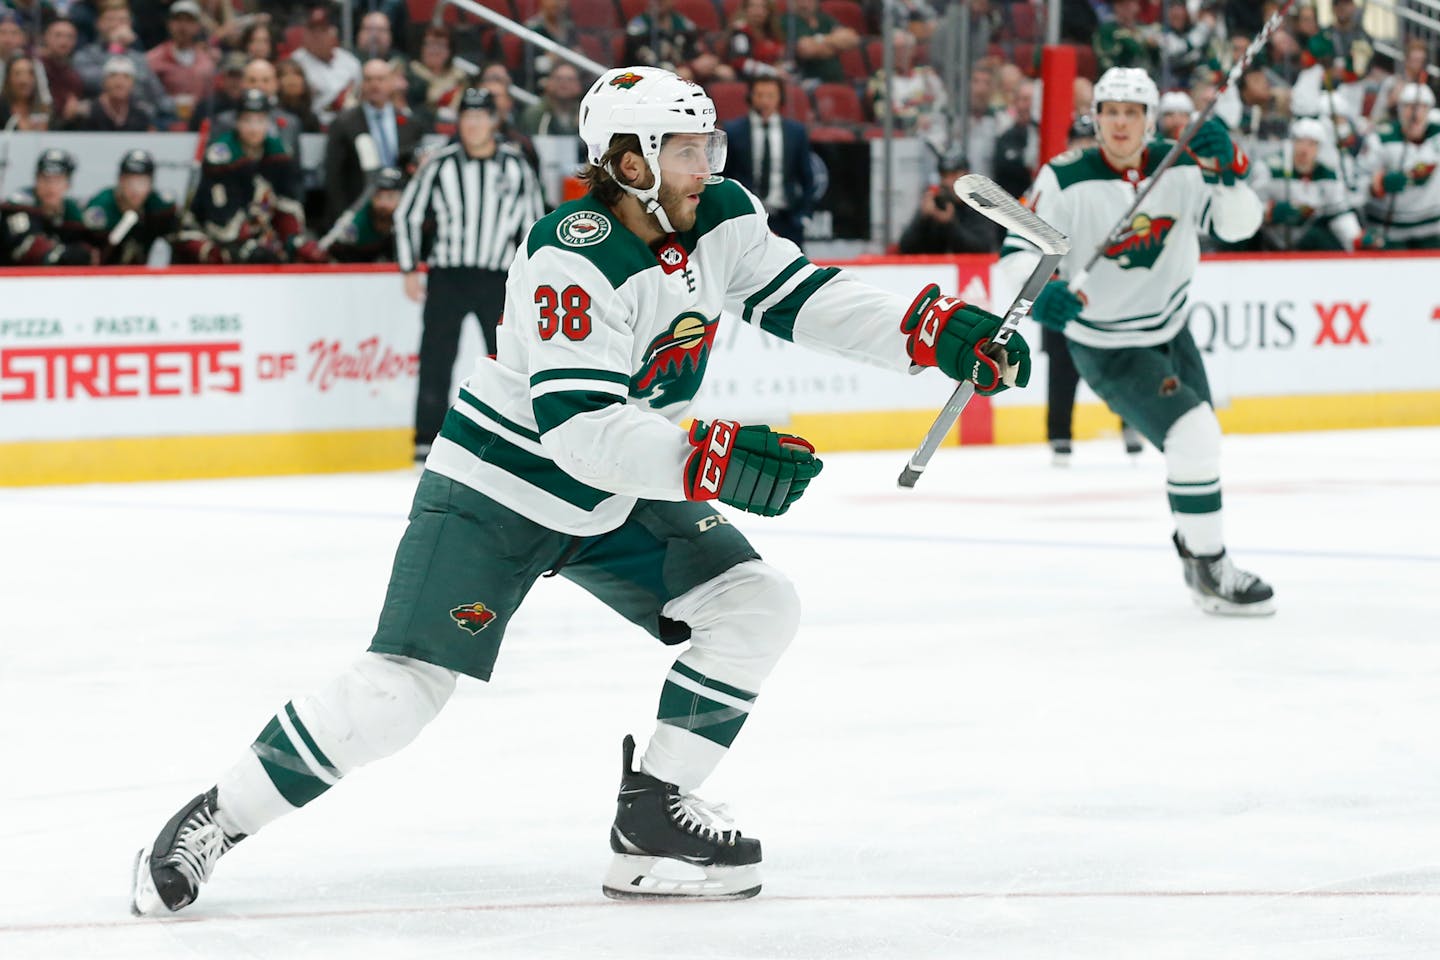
(1307, 206)
(1400, 160)
(1127, 332)
(566, 455)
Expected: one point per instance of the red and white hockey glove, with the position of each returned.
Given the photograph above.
(754, 468)
(949, 333)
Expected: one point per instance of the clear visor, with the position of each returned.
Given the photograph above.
(693, 154)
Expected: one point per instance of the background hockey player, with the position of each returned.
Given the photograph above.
(127, 240)
(369, 237)
(1306, 205)
(43, 227)
(1400, 159)
(567, 454)
(1127, 335)
(248, 207)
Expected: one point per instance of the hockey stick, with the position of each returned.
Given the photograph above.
(1181, 144)
(369, 156)
(128, 219)
(990, 201)
(192, 179)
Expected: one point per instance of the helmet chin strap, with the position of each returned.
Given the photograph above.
(649, 199)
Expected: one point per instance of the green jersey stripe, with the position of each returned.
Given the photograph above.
(779, 320)
(580, 373)
(535, 470)
(553, 409)
(494, 414)
(759, 296)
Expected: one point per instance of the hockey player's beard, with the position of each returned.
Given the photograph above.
(679, 208)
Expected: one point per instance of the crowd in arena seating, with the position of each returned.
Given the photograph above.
(142, 65)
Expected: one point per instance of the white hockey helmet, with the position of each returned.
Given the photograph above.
(1416, 93)
(1127, 85)
(1308, 128)
(650, 103)
(1176, 101)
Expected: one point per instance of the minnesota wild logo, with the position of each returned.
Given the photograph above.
(675, 361)
(1141, 245)
(472, 617)
(626, 80)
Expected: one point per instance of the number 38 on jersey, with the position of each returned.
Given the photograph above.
(566, 312)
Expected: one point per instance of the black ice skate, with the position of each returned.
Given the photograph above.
(1134, 443)
(1060, 453)
(168, 873)
(670, 844)
(1219, 587)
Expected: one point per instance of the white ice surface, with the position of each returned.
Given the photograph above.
(1003, 732)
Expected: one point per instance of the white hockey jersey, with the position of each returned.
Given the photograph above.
(1136, 292)
(1416, 209)
(604, 343)
(1321, 197)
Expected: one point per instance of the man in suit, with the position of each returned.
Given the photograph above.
(394, 131)
(770, 156)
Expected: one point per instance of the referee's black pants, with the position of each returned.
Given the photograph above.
(451, 293)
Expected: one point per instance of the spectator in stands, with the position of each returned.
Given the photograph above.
(558, 111)
(224, 97)
(219, 23)
(770, 156)
(1176, 109)
(42, 226)
(14, 41)
(917, 17)
(57, 50)
(35, 14)
(663, 37)
(1185, 42)
(918, 91)
(1125, 41)
(396, 11)
(258, 41)
(986, 24)
(392, 131)
(1084, 96)
(818, 39)
(261, 75)
(116, 109)
(369, 237)
(1348, 37)
(1254, 108)
(331, 71)
(184, 64)
(374, 40)
(156, 216)
(116, 38)
(983, 124)
(294, 96)
(496, 78)
(755, 46)
(22, 104)
(945, 225)
(435, 78)
(1017, 150)
(552, 21)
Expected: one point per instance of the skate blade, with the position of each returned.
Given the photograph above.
(1224, 608)
(144, 900)
(661, 878)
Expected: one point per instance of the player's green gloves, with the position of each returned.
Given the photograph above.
(1392, 181)
(1285, 215)
(1056, 306)
(1215, 151)
(948, 333)
(753, 467)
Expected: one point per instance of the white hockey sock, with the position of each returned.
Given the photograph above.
(1192, 467)
(246, 798)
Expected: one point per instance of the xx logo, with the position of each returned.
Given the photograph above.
(1329, 328)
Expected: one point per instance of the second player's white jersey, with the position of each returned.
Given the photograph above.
(1415, 211)
(1320, 196)
(1137, 290)
(604, 343)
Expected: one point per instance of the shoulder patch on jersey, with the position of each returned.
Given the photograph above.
(18, 222)
(94, 218)
(583, 228)
(1069, 156)
(218, 153)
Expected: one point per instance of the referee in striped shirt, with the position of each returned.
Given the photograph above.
(464, 214)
